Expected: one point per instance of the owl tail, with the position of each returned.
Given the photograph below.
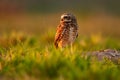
(56, 44)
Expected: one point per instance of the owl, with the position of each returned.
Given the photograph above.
(67, 31)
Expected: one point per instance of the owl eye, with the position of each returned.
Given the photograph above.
(66, 17)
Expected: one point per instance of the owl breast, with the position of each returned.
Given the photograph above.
(72, 34)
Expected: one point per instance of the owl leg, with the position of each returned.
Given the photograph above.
(71, 48)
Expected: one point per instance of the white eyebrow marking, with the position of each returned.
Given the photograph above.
(63, 16)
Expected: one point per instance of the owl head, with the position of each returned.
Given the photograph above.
(67, 18)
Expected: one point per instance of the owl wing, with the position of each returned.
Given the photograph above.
(59, 35)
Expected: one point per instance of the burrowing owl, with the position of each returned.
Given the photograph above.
(67, 31)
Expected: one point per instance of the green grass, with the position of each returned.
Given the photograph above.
(34, 57)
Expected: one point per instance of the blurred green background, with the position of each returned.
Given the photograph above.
(39, 16)
(27, 29)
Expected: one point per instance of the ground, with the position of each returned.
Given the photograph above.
(34, 57)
